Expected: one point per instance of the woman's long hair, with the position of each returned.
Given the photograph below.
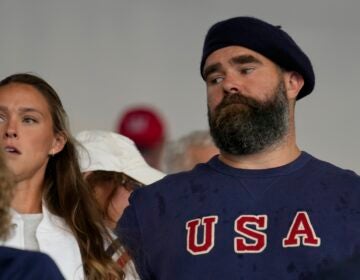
(66, 193)
(6, 191)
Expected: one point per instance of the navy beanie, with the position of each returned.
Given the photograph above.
(268, 40)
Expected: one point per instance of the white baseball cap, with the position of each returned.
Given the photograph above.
(109, 151)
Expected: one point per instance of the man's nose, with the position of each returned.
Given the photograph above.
(232, 84)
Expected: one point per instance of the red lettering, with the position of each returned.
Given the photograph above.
(301, 230)
(241, 226)
(208, 242)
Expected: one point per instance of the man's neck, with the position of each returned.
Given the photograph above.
(271, 157)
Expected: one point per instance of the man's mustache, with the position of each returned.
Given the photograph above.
(237, 98)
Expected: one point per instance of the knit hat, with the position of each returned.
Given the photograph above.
(269, 40)
(108, 151)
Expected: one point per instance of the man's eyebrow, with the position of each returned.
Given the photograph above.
(241, 59)
(211, 69)
(244, 59)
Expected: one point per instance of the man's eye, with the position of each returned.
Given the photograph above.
(247, 70)
(216, 80)
(2, 118)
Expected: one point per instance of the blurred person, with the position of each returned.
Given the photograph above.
(262, 209)
(183, 154)
(146, 128)
(113, 167)
(19, 264)
(52, 206)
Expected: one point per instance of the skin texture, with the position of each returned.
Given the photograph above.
(200, 154)
(28, 140)
(238, 70)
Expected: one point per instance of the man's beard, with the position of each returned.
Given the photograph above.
(241, 125)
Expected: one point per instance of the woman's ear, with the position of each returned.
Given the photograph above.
(293, 83)
(58, 143)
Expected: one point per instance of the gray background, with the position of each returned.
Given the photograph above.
(102, 56)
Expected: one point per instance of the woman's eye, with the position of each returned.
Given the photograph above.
(2, 118)
(29, 120)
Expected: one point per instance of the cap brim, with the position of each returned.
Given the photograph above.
(145, 174)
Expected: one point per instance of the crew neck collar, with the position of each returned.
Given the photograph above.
(296, 164)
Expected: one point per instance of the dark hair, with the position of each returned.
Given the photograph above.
(66, 193)
(6, 190)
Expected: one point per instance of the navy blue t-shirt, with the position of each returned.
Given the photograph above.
(345, 270)
(21, 265)
(219, 222)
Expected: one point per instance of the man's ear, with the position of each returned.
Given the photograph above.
(58, 143)
(294, 82)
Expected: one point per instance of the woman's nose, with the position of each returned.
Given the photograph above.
(11, 131)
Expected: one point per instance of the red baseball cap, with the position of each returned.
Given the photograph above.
(143, 125)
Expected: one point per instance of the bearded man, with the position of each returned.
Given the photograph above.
(261, 209)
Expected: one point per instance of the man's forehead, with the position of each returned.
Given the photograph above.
(235, 54)
(231, 51)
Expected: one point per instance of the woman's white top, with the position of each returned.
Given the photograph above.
(54, 238)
